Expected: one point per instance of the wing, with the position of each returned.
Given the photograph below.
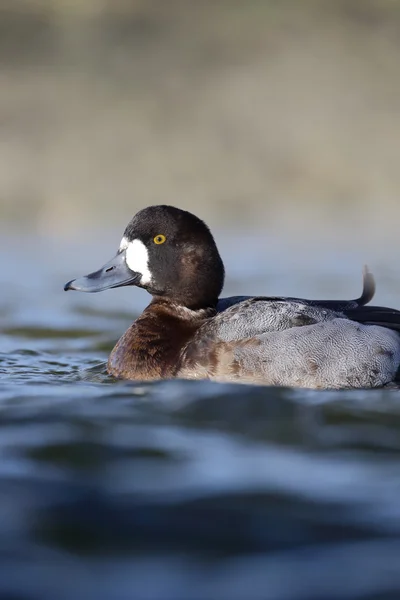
(289, 341)
(367, 294)
(336, 353)
(256, 316)
(242, 317)
(375, 315)
(213, 349)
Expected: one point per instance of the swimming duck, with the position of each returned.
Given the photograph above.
(187, 331)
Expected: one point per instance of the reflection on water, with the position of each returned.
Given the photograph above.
(183, 490)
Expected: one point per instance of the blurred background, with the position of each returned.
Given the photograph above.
(263, 114)
(278, 123)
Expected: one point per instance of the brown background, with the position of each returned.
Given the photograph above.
(259, 114)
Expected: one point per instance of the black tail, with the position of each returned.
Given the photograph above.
(356, 310)
(367, 294)
(372, 315)
(375, 315)
(369, 287)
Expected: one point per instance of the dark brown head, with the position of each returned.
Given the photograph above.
(167, 251)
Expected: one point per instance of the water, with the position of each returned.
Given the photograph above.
(184, 490)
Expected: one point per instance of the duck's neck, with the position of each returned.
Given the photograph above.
(151, 347)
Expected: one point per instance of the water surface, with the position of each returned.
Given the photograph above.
(185, 490)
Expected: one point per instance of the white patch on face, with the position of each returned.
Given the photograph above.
(124, 244)
(137, 259)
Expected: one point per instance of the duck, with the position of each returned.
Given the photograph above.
(187, 331)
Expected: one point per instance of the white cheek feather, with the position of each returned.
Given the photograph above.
(137, 259)
(124, 244)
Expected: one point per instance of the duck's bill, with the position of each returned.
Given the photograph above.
(113, 274)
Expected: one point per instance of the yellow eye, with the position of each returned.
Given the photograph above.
(159, 239)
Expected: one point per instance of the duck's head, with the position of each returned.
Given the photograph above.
(167, 251)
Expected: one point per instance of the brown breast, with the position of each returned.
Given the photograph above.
(151, 347)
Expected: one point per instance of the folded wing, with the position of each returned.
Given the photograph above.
(295, 342)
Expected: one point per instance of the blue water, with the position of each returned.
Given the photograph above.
(184, 490)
